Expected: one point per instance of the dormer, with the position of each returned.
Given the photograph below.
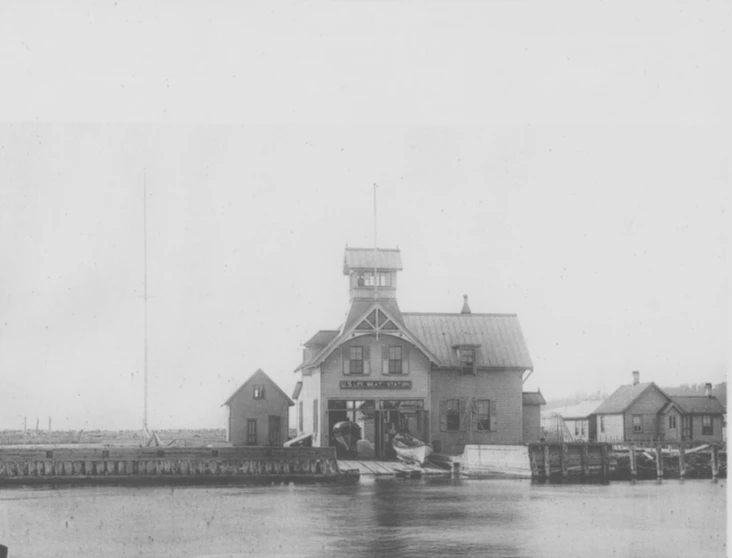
(372, 273)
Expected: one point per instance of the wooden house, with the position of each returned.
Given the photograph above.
(569, 423)
(696, 418)
(630, 414)
(450, 379)
(259, 413)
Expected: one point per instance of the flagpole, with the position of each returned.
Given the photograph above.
(144, 234)
(376, 275)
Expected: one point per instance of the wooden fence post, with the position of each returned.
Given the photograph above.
(547, 464)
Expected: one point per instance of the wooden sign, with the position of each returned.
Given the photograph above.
(376, 384)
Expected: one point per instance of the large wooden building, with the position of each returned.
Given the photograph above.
(259, 413)
(450, 379)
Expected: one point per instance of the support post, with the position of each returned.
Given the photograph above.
(565, 464)
(585, 460)
(682, 462)
(547, 465)
(715, 462)
(659, 462)
(633, 470)
(534, 466)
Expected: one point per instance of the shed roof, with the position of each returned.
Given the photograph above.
(260, 375)
(623, 397)
(533, 398)
(498, 336)
(370, 258)
(698, 405)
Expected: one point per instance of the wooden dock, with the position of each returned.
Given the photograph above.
(393, 468)
(605, 462)
(155, 465)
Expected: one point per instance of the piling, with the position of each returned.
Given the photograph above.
(547, 464)
(659, 462)
(682, 462)
(565, 459)
(605, 464)
(585, 460)
(633, 469)
(715, 462)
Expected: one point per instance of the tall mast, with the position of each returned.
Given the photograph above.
(376, 276)
(144, 295)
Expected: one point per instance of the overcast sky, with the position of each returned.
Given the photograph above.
(569, 162)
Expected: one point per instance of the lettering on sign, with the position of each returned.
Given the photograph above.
(376, 384)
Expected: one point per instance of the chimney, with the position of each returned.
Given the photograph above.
(466, 308)
(636, 377)
(708, 390)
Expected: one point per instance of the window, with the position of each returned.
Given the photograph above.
(637, 423)
(300, 418)
(582, 427)
(315, 417)
(356, 357)
(672, 422)
(483, 412)
(576, 428)
(367, 279)
(707, 429)
(251, 432)
(395, 360)
(467, 361)
(453, 414)
(602, 423)
(259, 392)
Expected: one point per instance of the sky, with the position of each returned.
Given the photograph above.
(568, 162)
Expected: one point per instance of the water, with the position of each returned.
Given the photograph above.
(382, 517)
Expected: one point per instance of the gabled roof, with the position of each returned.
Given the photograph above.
(498, 336)
(323, 337)
(385, 259)
(259, 375)
(624, 397)
(698, 405)
(533, 398)
(579, 411)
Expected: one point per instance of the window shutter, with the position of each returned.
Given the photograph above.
(405, 360)
(474, 415)
(384, 359)
(346, 357)
(443, 415)
(492, 407)
(366, 360)
(463, 414)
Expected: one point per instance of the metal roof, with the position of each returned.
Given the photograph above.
(579, 411)
(533, 398)
(698, 405)
(498, 336)
(261, 376)
(369, 258)
(323, 337)
(623, 397)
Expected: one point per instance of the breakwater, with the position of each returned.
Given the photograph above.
(156, 465)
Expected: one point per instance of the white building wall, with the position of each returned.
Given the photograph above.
(310, 391)
(613, 428)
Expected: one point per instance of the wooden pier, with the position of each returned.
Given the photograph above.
(155, 465)
(627, 461)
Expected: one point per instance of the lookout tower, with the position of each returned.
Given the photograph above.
(372, 273)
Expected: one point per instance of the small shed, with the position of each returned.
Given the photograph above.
(531, 403)
(259, 413)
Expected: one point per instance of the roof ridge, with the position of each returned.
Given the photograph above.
(484, 314)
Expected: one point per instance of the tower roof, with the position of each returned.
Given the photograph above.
(385, 259)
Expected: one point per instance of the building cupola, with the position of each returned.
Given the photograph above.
(372, 272)
(466, 308)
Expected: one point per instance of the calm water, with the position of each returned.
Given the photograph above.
(388, 517)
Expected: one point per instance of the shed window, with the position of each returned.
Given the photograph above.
(453, 415)
(395, 360)
(483, 411)
(259, 392)
(356, 357)
(467, 361)
(637, 423)
(707, 429)
(672, 422)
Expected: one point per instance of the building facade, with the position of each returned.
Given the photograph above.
(450, 379)
(259, 413)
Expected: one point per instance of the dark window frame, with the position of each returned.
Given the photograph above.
(259, 392)
(395, 364)
(358, 369)
(483, 414)
(707, 429)
(467, 361)
(637, 427)
(602, 423)
(452, 413)
(251, 432)
(672, 422)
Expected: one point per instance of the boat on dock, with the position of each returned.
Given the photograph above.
(410, 449)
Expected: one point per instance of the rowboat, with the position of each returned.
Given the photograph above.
(411, 450)
(347, 434)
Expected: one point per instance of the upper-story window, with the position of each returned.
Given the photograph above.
(259, 392)
(395, 360)
(369, 279)
(356, 358)
(467, 361)
(637, 423)
(707, 429)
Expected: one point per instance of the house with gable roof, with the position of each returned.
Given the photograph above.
(697, 418)
(450, 379)
(259, 413)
